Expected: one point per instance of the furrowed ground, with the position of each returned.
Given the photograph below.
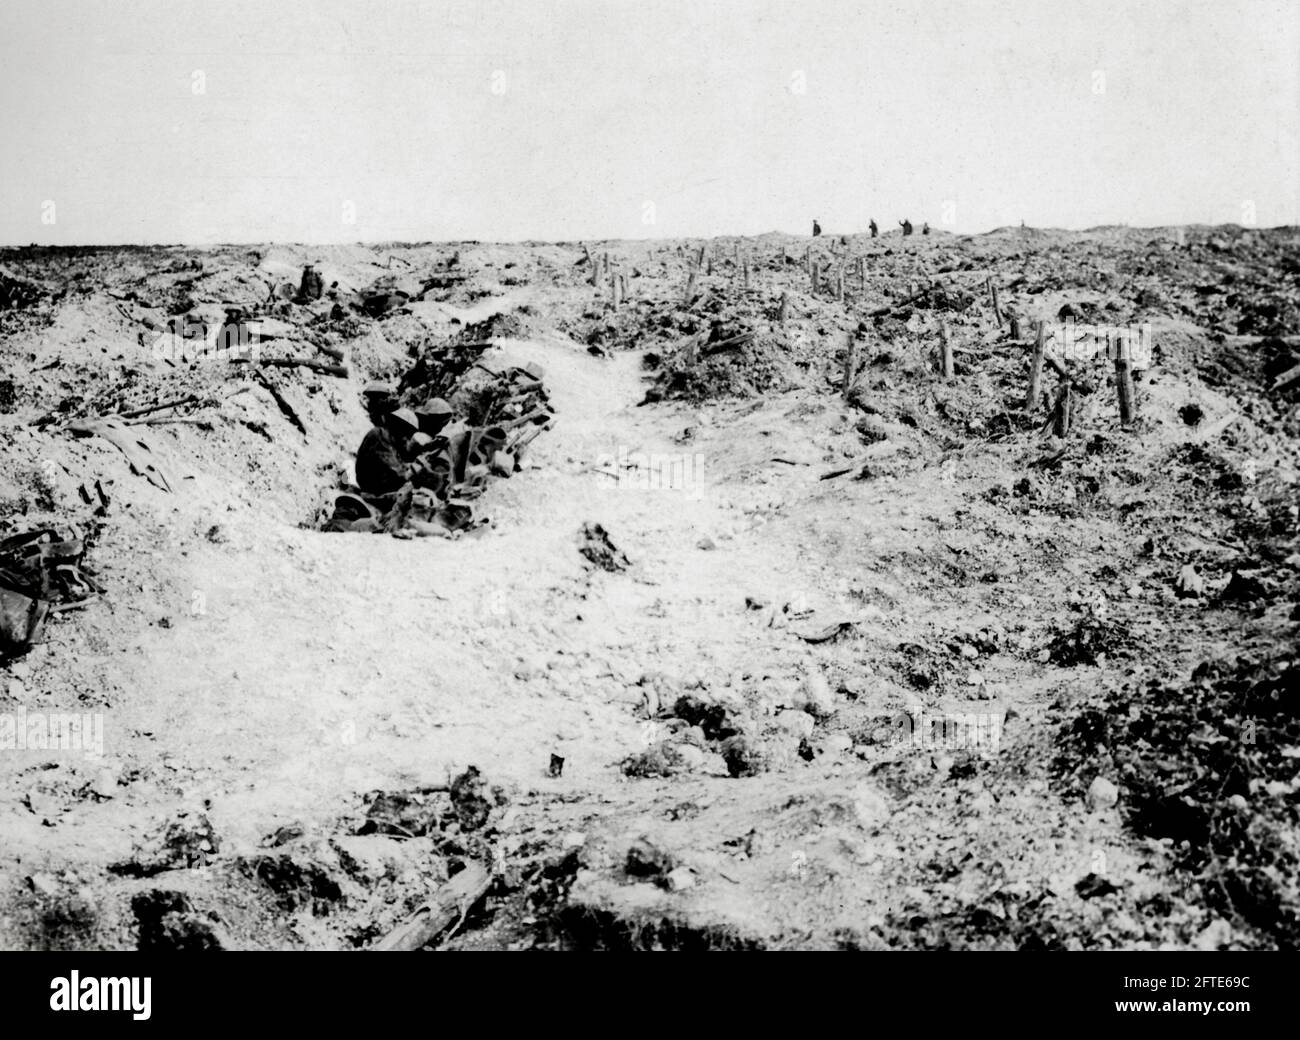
(741, 677)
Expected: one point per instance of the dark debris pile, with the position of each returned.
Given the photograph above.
(40, 571)
(1211, 765)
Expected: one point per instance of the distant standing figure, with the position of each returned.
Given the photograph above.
(925, 228)
(817, 229)
(311, 286)
(906, 225)
(875, 230)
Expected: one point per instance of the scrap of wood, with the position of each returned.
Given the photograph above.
(333, 352)
(137, 412)
(163, 420)
(1288, 379)
(448, 906)
(828, 633)
(302, 362)
(1250, 341)
(285, 407)
(730, 343)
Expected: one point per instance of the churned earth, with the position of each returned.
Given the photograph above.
(306, 733)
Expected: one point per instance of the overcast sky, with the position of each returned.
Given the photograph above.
(345, 120)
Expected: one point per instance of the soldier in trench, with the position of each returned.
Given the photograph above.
(382, 466)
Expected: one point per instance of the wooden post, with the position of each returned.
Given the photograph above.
(850, 363)
(945, 351)
(812, 274)
(613, 290)
(839, 284)
(449, 904)
(745, 267)
(1124, 382)
(622, 286)
(1016, 331)
(785, 307)
(993, 296)
(1062, 414)
(1036, 367)
(690, 288)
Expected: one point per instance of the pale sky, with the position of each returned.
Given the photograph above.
(364, 120)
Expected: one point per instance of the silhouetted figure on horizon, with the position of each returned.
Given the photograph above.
(817, 229)
(906, 225)
(925, 228)
(875, 230)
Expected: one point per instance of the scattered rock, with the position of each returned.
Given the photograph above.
(1189, 584)
(814, 696)
(1102, 794)
(679, 879)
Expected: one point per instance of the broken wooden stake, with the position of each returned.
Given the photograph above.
(1124, 383)
(785, 308)
(850, 364)
(1062, 413)
(945, 351)
(993, 298)
(1036, 367)
(690, 288)
(297, 362)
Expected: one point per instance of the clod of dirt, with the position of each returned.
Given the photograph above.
(296, 882)
(1243, 588)
(599, 550)
(407, 814)
(1087, 641)
(183, 844)
(662, 759)
(168, 921)
(1093, 886)
(745, 756)
(645, 859)
(712, 718)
